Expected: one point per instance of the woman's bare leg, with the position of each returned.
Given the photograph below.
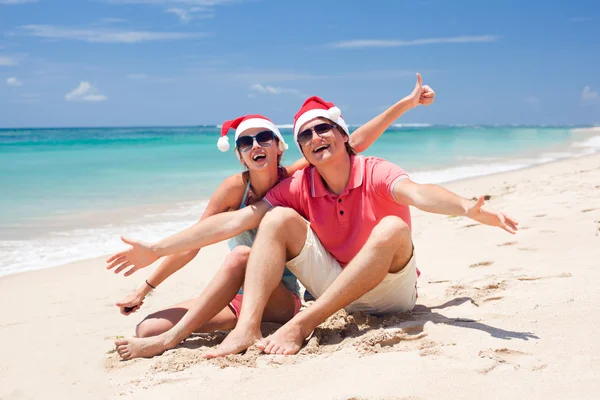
(167, 328)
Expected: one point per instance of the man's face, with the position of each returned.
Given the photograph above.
(321, 141)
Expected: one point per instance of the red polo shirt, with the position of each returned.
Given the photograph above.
(344, 222)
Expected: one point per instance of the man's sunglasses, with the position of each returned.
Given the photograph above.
(264, 139)
(323, 129)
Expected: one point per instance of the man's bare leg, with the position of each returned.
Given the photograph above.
(281, 236)
(388, 249)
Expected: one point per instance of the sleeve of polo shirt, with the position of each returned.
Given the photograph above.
(384, 177)
(283, 194)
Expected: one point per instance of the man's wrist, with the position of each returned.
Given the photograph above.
(156, 248)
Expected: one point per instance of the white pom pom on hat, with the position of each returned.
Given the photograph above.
(223, 143)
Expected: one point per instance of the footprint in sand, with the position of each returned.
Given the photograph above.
(384, 341)
(481, 264)
(507, 244)
(587, 210)
(537, 278)
(478, 291)
(527, 249)
(509, 357)
(496, 298)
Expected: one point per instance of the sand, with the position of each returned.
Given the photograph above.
(498, 316)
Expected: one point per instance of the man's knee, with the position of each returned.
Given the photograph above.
(280, 217)
(236, 261)
(392, 230)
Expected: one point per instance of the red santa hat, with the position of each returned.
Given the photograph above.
(246, 122)
(315, 107)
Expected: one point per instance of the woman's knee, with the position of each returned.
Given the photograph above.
(151, 326)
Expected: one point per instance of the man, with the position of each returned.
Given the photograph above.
(342, 225)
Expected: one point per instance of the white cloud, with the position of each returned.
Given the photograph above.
(13, 81)
(85, 92)
(105, 35)
(14, 2)
(531, 100)
(186, 16)
(257, 87)
(355, 44)
(137, 76)
(588, 95)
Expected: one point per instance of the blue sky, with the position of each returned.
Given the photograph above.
(190, 62)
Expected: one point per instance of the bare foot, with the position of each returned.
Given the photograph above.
(286, 340)
(140, 347)
(237, 341)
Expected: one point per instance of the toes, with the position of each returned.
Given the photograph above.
(262, 344)
(290, 351)
(269, 347)
(211, 354)
(120, 342)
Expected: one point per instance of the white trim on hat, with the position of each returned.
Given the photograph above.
(316, 113)
(259, 123)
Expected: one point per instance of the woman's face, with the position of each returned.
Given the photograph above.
(258, 148)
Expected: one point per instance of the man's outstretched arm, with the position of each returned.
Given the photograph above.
(207, 231)
(436, 199)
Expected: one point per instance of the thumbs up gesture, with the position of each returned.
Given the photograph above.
(421, 94)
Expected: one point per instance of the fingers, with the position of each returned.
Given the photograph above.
(419, 80)
(428, 92)
(131, 242)
(131, 271)
(117, 261)
(479, 203)
(122, 267)
(114, 257)
(508, 229)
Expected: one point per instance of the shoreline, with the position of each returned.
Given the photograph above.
(188, 212)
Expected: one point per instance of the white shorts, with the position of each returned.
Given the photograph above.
(316, 269)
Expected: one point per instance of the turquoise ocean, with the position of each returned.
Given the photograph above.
(68, 194)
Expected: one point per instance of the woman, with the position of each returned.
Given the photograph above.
(259, 146)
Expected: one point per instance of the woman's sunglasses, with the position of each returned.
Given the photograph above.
(306, 135)
(264, 139)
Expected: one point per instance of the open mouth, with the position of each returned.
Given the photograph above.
(321, 148)
(258, 157)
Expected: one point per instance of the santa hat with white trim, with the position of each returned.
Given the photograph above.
(315, 107)
(241, 124)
